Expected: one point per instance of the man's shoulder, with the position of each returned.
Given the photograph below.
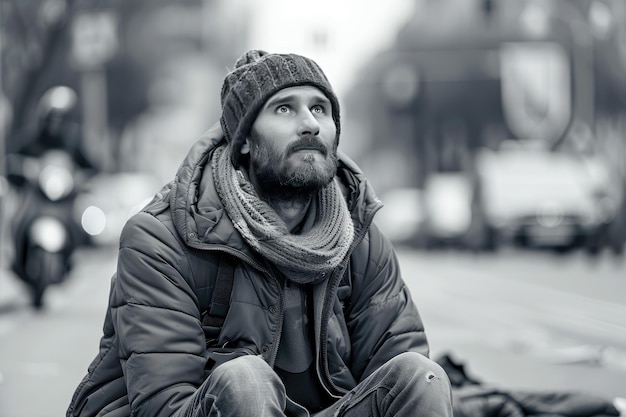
(151, 225)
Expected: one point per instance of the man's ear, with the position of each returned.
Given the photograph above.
(245, 148)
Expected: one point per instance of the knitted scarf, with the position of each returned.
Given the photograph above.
(303, 258)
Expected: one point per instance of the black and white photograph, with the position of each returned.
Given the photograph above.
(341, 208)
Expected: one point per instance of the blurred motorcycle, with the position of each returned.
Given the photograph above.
(48, 177)
(45, 233)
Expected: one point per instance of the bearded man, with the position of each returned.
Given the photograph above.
(317, 322)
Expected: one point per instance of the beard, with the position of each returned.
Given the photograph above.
(280, 176)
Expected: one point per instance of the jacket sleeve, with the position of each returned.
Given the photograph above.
(156, 318)
(382, 318)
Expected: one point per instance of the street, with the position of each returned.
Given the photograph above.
(516, 319)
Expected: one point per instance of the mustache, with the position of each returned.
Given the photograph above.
(308, 142)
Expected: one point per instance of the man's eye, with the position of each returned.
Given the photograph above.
(282, 109)
(318, 109)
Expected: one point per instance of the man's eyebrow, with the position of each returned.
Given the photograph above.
(292, 97)
(280, 100)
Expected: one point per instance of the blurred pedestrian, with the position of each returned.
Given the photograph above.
(256, 283)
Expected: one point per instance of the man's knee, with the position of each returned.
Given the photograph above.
(247, 369)
(418, 368)
(246, 384)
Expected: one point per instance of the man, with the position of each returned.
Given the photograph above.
(319, 321)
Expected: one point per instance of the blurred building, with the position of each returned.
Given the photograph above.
(467, 79)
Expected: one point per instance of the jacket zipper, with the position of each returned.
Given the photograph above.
(322, 356)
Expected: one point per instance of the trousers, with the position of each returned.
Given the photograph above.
(408, 385)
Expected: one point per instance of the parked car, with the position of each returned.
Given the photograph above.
(535, 197)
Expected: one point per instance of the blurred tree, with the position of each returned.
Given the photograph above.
(34, 55)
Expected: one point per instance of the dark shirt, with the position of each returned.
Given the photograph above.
(295, 363)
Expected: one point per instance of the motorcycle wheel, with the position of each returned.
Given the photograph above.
(38, 290)
(45, 268)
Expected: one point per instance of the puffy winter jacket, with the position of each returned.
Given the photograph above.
(153, 351)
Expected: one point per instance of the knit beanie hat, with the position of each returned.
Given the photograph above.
(256, 77)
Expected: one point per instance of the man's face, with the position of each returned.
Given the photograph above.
(293, 144)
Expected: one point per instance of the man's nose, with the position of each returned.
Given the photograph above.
(308, 124)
